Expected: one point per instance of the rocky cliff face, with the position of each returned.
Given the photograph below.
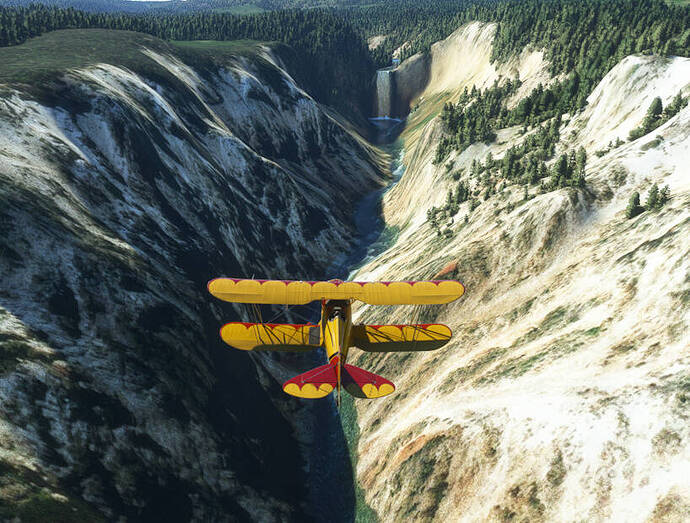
(463, 60)
(121, 194)
(565, 390)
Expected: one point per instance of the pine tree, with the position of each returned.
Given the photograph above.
(655, 108)
(560, 172)
(634, 208)
(651, 121)
(581, 160)
(664, 195)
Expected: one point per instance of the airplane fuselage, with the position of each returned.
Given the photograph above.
(336, 329)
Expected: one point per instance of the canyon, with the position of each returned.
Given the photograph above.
(565, 389)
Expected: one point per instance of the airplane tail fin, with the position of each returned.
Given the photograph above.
(361, 383)
(313, 384)
(321, 381)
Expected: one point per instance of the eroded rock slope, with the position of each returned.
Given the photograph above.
(565, 392)
(121, 194)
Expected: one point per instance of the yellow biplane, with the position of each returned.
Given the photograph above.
(335, 331)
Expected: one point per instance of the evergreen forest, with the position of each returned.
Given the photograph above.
(582, 39)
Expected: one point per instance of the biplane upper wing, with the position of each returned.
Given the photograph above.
(395, 338)
(301, 292)
(271, 336)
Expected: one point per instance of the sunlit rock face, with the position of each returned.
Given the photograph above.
(120, 196)
(565, 392)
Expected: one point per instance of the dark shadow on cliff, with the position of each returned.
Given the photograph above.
(317, 477)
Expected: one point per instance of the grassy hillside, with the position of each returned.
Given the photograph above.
(46, 56)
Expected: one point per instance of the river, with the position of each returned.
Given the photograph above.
(334, 494)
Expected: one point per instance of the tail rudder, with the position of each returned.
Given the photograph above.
(321, 381)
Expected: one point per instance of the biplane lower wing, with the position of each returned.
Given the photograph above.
(271, 336)
(397, 338)
(289, 292)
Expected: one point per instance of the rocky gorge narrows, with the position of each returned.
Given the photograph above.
(564, 390)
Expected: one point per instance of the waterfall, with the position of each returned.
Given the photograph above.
(384, 92)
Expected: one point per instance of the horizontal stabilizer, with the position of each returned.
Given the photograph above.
(301, 292)
(399, 338)
(271, 336)
(361, 383)
(313, 384)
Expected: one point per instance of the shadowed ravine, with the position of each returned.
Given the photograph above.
(117, 395)
(332, 494)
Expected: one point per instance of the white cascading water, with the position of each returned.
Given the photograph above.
(384, 89)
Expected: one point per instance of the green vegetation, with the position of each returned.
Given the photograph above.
(611, 145)
(329, 57)
(41, 507)
(593, 36)
(523, 504)
(474, 117)
(16, 347)
(471, 369)
(348, 418)
(523, 164)
(587, 37)
(150, 7)
(657, 115)
(214, 47)
(569, 170)
(40, 58)
(11, 350)
(594, 331)
(521, 310)
(634, 208)
(453, 200)
(29, 497)
(667, 441)
(515, 367)
(557, 471)
(425, 472)
(245, 9)
(477, 116)
(333, 61)
(656, 199)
